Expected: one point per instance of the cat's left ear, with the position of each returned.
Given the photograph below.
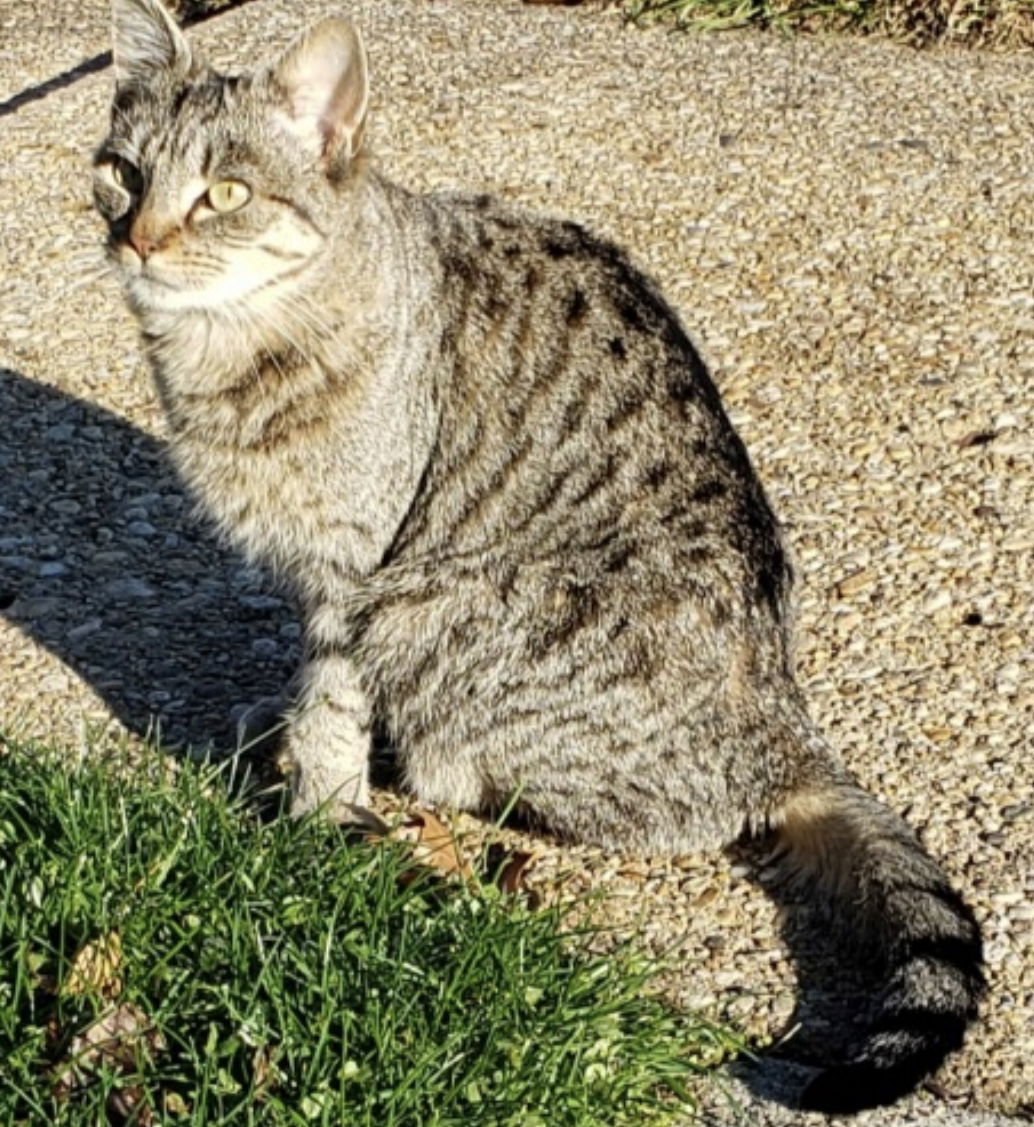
(323, 84)
(146, 41)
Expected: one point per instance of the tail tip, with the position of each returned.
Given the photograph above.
(848, 1088)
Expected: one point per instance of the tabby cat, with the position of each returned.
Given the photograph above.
(525, 539)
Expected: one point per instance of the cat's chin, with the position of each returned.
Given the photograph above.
(146, 299)
(148, 293)
(151, 295)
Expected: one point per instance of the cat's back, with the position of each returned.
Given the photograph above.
(575, 413)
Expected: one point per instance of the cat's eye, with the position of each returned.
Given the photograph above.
(127, 176)
(227, 195)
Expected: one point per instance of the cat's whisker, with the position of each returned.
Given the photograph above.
(292, 305)
(307, 325)
(272, 331)
(281, 327)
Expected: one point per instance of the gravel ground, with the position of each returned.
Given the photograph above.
(848, 229)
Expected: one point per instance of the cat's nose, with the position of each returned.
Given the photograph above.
(145, 239)
(144, 243)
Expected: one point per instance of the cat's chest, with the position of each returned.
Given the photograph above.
(307, 465)
(320, 506)
(274, 505)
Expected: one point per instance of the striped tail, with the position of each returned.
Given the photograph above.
(886, 893)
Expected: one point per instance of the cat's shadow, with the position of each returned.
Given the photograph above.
(103, 563)
(835, 991)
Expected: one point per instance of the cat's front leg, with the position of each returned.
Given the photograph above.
(328, 741)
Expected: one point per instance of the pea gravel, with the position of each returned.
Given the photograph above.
(848, 230)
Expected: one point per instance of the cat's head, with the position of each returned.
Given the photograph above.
(216, 188)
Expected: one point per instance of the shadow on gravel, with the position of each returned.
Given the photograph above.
(102, 561)
(836, 989)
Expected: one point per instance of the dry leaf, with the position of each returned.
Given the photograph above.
(511, 875)
(175, 1104)
(122, 1039)
(264, 1072)
(433, 844)
(128, 1103)
(95, 968)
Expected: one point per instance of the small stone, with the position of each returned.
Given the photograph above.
(17, 563)
(52, 570)
(265, 648)
(33, 608)
(783, 1005)
(84, 629)
(110, 558)
(939, 600)
(141, 528)
(129, 588)
(260, 602)
(856, 582)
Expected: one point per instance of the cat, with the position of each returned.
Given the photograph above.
(524, 537)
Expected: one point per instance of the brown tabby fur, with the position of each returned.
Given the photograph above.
(524, 535)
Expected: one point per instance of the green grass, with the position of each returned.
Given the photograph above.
(985, 23)
(271, 973)
(1004, 24)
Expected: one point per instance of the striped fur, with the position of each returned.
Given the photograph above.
(524, 536)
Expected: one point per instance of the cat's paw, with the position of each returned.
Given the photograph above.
(336, 797)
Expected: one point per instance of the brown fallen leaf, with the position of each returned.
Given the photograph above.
(125, 1104)
(264, 1072)
(433, 844)
(95, 968)
(512, 873)
(175, 1104)
(122, 1040)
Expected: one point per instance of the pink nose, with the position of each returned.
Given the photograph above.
(141, 244)
(145, 239)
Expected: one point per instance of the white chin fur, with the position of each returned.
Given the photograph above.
(161, 296)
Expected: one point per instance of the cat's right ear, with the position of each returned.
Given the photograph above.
(322, 85)
(146, 41)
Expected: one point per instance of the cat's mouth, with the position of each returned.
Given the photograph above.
(153, 285)
(156, 285)
(150, 290)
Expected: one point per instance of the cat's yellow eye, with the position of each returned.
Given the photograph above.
(227, 195)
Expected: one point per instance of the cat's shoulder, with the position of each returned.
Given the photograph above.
(556, 237)
(496, 228)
